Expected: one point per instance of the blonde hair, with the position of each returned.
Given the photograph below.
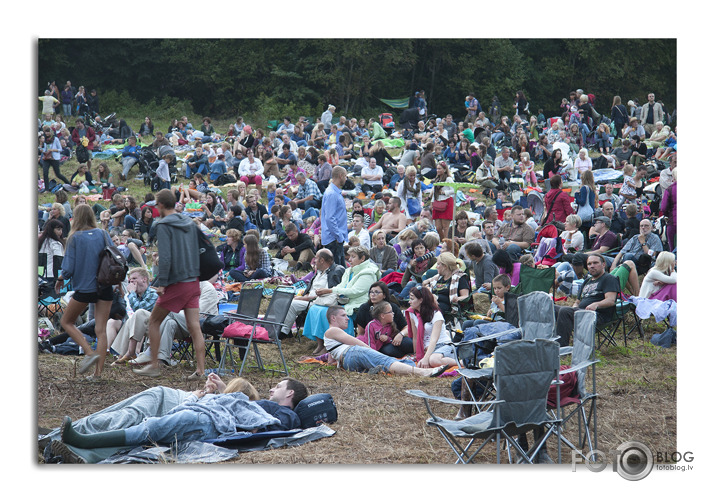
(628, 169)
(449, 260)
(664, 261)
(574, 219)
(83, 219)
(242, 385)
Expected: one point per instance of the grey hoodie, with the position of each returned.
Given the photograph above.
(178, 249)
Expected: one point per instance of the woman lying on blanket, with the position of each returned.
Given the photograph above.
(355, 355)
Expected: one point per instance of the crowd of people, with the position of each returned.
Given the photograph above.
(370, 219)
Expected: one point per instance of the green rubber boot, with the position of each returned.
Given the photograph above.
(97, 440)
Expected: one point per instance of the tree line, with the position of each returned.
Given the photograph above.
(225, 77)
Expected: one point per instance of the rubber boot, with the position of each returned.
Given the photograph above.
(97, 440)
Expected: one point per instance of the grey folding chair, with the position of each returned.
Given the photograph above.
(536, 316)
(272, 322)
(523, 372)
(584, 399)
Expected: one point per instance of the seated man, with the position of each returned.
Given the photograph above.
(297, 248)
(504, 165)
(130, 156)
(598, 293)
(641, 249)
(172, 327)
(393, 221)
(372, 177)
(197, 163)
(516, 235)
(308, 195)
(605, 239)
(328, 274)
(204, 415)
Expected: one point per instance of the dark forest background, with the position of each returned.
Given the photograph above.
(269, 78)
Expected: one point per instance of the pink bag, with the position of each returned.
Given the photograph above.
(240, 330)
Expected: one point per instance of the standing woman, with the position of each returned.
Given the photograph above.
(80, 264)
(619, 115)
(586, 199)
(51, 157)
(442, 201)
(520, 105)
(669, 208)
(52, 244)
(409, 190)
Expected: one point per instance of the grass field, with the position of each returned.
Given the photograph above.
(378, 422)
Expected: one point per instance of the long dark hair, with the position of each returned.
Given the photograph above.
(502, 260)
(429, 304)
(253, 250)
(48, 232)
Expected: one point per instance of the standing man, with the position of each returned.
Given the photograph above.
(177, 282)
(327, 117)
(651, 113)
(471, 104)
(334, 216)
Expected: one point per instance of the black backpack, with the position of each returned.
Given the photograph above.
(82, 154)
(209, 262)
(225, 179)
(316, 409)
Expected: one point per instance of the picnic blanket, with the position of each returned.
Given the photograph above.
(609, 175)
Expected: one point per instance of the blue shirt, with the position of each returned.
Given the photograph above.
(333, 216)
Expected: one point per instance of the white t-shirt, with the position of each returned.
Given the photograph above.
(576, 240)
(364, 237)
(443, 335)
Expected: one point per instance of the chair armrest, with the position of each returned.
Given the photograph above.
(581, 366)
(565, 351)
(448, 400)
(480, 373)
(485, 338)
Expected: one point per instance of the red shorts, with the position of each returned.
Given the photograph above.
(180, 296)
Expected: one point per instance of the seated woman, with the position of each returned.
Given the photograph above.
(383, 334)
(81, 177)
(426, 327)
(232, 252)
(214, 212)
(256, 262)
(354, 355)
(144, 227)
(378, 292)
(571, 237)
(382, 255)
(660, 283)
(352, 292)
(450, 285)
(502, 260)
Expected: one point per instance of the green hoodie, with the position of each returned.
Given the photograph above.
(356, 284)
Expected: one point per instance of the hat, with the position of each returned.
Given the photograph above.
(633, 119)
(489, 158)
(605, 220)
(579, 259)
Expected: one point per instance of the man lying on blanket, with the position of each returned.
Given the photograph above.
(219, 409)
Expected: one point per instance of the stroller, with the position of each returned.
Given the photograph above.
(535, 202)
(149, 163)
(387, 122)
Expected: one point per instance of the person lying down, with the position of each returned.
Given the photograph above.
(164, 415)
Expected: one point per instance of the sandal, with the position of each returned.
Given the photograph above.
(123, 360)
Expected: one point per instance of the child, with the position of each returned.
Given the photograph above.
(360, 232)
(500, 285)
(507, 216)
(628, 190)
(162, 172)
(527, 170)
(632, 224)
(382, 334)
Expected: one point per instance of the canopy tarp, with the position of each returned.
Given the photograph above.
(396, 103)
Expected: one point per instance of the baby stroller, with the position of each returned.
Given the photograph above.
(387, 122)
(149, 163)
(535, 202)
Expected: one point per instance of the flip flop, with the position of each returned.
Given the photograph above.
(123, 360)
(87, 363)
(437, 372)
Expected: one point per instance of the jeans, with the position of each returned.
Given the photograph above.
(184, 425)
(312, 211)
(67, 109)
(55, 164)
(405, 293)
(129, 221)
(261, 273)
(127, 163)
(338, 251)
(514, 252)
(399, 351)
(200, 169)
(362, 359)
(309, 204)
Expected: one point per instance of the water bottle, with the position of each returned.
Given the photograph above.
(501, 241)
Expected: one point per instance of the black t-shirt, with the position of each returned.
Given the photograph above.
(441, 291)
(364, 316)
(594, 290)
(289, 419)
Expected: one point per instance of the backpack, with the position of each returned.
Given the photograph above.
(112, 268)
(209, 262)
(82, 154)
(225, 179)
(490, 192)
(316, 409)
(600, 163)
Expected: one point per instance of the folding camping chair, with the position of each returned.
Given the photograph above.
(536, 315)
(584, 400)
(537, 279)
(272, 322)
(608, 331)
(249, 304)
(49, 302)
(523, 372)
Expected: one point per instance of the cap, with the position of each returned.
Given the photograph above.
(489, 158)
(605, 220)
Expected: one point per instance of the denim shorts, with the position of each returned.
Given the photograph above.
(445, 350)
(362, 359)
